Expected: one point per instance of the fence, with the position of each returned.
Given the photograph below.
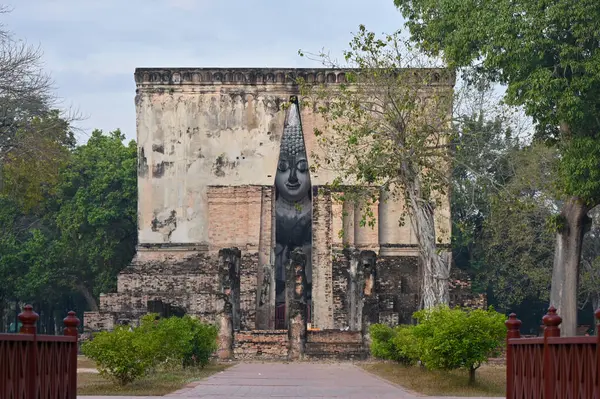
(551, 367)
(36, 366)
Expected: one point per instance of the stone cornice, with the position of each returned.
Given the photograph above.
(160, 77)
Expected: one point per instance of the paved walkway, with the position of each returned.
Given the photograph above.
(292, 380)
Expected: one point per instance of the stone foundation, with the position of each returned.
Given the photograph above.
(335, 344)
(181, 280)
(261, 345)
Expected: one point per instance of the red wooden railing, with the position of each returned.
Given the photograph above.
(36, 366)
(551, 367)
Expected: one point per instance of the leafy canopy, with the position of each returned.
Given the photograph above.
(96, 210)
(548, 55)
(457, 338)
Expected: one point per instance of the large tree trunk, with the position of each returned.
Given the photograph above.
(565, 272)
(89, 298)
(435, 264)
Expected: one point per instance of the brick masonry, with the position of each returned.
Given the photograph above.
(261, 344)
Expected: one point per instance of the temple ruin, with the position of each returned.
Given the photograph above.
(235, 229)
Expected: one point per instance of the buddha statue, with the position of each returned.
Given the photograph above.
(293, 204)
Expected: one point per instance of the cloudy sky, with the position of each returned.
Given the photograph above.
(92, 47)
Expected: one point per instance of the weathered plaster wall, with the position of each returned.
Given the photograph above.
(218, 127)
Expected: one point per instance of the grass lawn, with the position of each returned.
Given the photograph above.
(490, 380)
(157, 384)
(85, 363)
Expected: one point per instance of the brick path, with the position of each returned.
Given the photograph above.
(293, 380)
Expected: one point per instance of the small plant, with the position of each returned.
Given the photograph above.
(458, 338)
(120, 355)
(203, 344)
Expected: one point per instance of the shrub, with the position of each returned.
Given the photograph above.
(405, 344)
(396, 344)
(203, 343)
(457, 338)
(182, 341)
(120, 355)
(126, 354)
(381, 341)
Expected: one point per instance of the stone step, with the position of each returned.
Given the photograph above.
(339, 351)
(334, 336)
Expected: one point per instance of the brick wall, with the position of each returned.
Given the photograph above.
(261, 344)
(322, 290)
(398, 285)
(234, 216)
(248, 284)
(340, 285)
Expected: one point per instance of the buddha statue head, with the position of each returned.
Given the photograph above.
(292, 179)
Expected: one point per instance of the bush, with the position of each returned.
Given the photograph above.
(120, 355)
(444, 338)
(381, 341)
(126, 354)
(396, 344)
(405, 345)
(457, 338)
(204, 343)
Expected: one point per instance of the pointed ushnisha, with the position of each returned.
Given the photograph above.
(292, 141)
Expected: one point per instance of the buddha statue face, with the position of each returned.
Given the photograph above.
(292, 179)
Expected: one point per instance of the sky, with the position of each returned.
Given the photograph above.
(92, 47)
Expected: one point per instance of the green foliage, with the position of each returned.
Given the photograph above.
(121, 355)
(444, 338)
(67, 217)
(179, 340)
(513, 255)
(127, 354)
(579, 169)
(546, 53)
(457, 338)
(30, 171)
(387, 130)
(381, 341)
(96, 212)
(398, 344)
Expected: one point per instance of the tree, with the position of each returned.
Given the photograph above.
(485, 134)
(444, 339)
(387, 128)
(515, 248)
(29, 179)
(590, 261)
(96, 212)
(547, 54)
(456, 338)
(26, 98)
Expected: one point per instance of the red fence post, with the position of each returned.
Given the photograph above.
(28, 318)
(71, 323)
(551, 322)
(512, 325)
(597, 384)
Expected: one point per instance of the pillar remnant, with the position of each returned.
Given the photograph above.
(296, 303)
(229, 290)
